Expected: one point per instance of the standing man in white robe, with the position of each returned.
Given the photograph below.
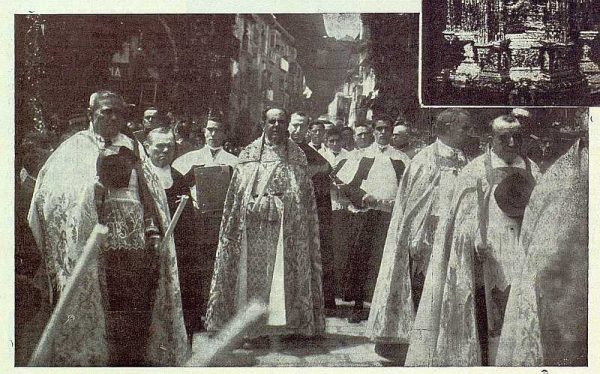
(423, 197)
(546, 321)
(126, 307)
(479, 237)
(212, 154)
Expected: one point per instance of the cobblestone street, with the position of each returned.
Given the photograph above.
(342, 345)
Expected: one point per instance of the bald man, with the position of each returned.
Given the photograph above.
(480, 234)
(127, 306)
(160, 146)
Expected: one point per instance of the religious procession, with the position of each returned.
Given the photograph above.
(335, 230)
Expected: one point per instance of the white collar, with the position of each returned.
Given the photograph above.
(444, 150)
(164, 175)
(118, 140)
(330, 151)
(378, 149)
(497, 162)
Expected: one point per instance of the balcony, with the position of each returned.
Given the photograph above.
(273, 57)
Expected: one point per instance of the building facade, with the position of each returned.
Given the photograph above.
(382, 81)
(265, 74)
(177, 63)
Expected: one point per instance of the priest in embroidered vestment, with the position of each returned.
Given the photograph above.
(479, 251)
(423, 196)
(127, 309)
(546, 320)
(269, 241)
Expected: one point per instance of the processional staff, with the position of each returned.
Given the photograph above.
(88, 255)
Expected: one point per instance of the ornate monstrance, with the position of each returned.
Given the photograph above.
(542, 46)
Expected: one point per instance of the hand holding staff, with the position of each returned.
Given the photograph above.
(180, 207)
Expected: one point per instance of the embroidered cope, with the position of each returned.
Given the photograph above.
(269, 244)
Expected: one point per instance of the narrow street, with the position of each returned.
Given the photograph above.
(342, 345)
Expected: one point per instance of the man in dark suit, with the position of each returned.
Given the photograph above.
(319, 170)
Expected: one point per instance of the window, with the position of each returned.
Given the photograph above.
(284, 65)
(286, 100)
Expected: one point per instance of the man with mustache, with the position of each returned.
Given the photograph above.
(269, 244)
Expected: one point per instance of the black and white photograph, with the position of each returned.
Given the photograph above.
(267, 190)
(511, 52)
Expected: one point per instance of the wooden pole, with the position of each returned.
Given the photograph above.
(89, 253)
(212, 348)
(169, 232)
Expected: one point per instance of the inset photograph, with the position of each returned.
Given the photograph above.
(510, 52)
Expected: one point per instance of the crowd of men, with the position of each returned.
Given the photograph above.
(458, 253)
